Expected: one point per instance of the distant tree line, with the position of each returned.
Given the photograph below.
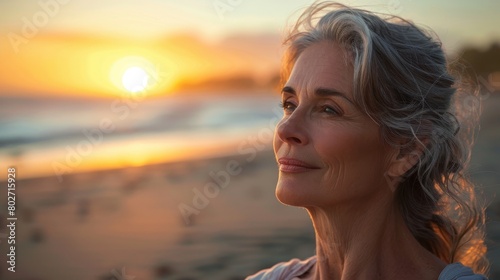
(481, 63)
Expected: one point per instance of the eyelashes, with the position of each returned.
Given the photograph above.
(331, 110)
(285, 105)
(289, 107)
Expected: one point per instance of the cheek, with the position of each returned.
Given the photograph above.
(338, 146)
(353, 158)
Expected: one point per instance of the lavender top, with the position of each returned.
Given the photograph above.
(294, 268)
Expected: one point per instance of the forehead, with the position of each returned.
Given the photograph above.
(323, 64)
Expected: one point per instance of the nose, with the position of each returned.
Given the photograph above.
(291, 130)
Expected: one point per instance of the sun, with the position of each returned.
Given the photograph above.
(135, 79)
(139, 76)
(134, 74)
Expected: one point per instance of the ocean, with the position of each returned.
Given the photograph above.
(47, 136)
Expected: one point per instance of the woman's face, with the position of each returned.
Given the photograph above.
(328, 151)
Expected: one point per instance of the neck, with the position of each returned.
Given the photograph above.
(369, 240)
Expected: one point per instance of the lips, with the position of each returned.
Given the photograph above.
(292, 165)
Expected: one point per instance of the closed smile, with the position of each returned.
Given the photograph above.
(291, 165)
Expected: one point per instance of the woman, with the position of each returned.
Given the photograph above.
(369, 145)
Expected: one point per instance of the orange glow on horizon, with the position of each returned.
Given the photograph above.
(62, 64)
(77, 67)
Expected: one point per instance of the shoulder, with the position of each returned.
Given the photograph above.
(284, 270)
(457, 271)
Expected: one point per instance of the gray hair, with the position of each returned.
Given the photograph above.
(402, 81)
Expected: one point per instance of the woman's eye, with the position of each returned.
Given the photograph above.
(287, 106)
(330, 110)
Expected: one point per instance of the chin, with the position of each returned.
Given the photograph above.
(291, 194)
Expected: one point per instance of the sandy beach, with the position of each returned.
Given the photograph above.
(103, 224)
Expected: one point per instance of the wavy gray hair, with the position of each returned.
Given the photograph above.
(402, 81)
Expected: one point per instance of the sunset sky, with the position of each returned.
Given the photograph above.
(77, 47)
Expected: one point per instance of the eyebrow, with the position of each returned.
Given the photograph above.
(323, 92)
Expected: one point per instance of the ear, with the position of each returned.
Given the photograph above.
(402, 160)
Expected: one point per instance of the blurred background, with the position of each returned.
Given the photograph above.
(141, 133)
